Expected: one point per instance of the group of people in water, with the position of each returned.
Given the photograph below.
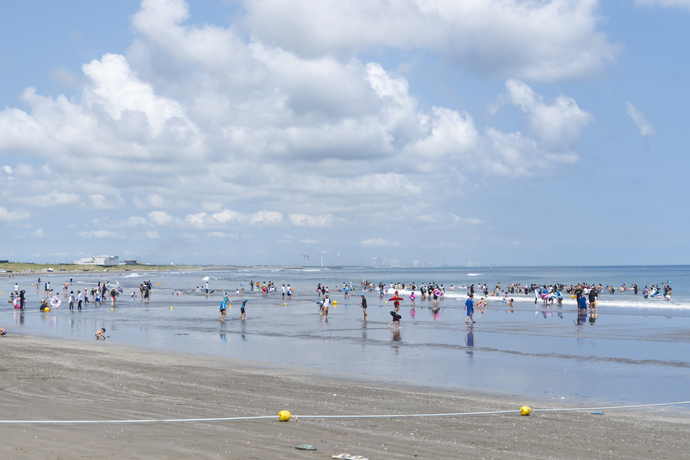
(586, 296)
(75, 299)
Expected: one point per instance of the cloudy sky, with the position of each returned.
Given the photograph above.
(508, 132)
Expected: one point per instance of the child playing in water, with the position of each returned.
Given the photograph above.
(223, 311)
(396, 316)
(412, 299)
(100, 335)
(243, 315)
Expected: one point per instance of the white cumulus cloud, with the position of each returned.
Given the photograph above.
(160, 218)
(306, 220)
(545, 40)
(558, 124)
(12, 216)
(205, 130)
(134, 221)
(266, 217)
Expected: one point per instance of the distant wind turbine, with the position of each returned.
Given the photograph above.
(306, 259)
(322, 253)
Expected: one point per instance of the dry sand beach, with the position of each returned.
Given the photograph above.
(48, 379)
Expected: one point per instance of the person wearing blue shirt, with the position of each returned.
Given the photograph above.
(223, 311)
(469, 303)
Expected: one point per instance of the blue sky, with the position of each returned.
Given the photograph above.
(517, 133)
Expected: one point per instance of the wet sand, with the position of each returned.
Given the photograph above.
(49, 379)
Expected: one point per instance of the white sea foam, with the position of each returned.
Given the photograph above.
(475, 274)
(605, 302)
(133, 275)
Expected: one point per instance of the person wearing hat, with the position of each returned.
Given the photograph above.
(396, 300)
(363, 304)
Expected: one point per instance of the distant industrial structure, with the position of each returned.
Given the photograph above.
(390, 262)
(134, 262)
(99, 260)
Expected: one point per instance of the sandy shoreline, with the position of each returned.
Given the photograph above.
(47, 379)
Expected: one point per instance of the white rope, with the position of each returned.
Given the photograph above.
(409, 415)
(266, 417)
(614, 407)
(179, 420)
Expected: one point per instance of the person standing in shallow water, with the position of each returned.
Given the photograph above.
(363, 304)
(243, 314)
(469, 304)
(223, 311)
(325, 304)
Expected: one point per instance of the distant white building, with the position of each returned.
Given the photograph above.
(99, 260)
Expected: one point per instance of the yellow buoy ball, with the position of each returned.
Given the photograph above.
(47, 309)
(112, 308)
(171, 307)
(525, 410)
(335, 302)
(284, 304)
(284, 416)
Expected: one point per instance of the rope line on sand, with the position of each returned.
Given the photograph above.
(267, 417)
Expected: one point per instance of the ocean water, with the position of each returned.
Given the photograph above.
(635, 350)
